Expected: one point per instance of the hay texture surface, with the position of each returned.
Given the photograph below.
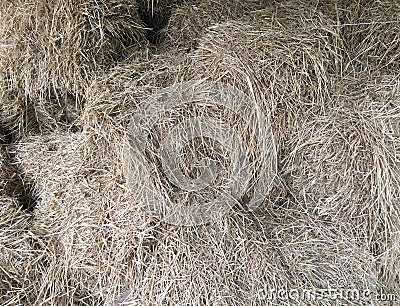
(344, 166)
(269, 54)
(190, 20)
(331, 215)
(372, 36)
(50, 50)
(128, 253)
(104, 248)
(100, 237)
(17, 254)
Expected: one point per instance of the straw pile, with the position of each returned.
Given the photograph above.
(104, 244)
(49, 52)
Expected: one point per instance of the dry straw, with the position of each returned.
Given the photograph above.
(344, 166)
(99, 237)
(103, 245)
(17, 255)
(330, 221)
(190, 20)
(372, 36)
(50, 50)
(370, 30)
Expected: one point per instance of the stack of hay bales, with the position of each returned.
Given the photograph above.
(104, 244)
(330, 221)
(344, 166)
(50, 51)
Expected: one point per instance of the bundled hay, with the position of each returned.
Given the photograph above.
(49, 52)
(344, 166)
(285, 61)
(371, 32)
(189, 21)
(104, 244)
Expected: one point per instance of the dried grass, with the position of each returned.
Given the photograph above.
(99, 236)
(331, 215)
(190, 20)
(237, 261)
(285, 61)
(344, 166)
(16, 255)
(372, 36)
(104, 245)
(50, 51)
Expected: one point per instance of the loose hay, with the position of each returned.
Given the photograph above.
(49, 52)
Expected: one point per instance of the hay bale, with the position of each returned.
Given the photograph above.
(27, 260)
(283, 74)
(292, 77)
(269, 55)
(344, 167)
(100, 237)
(50, 51)
(189, 21)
